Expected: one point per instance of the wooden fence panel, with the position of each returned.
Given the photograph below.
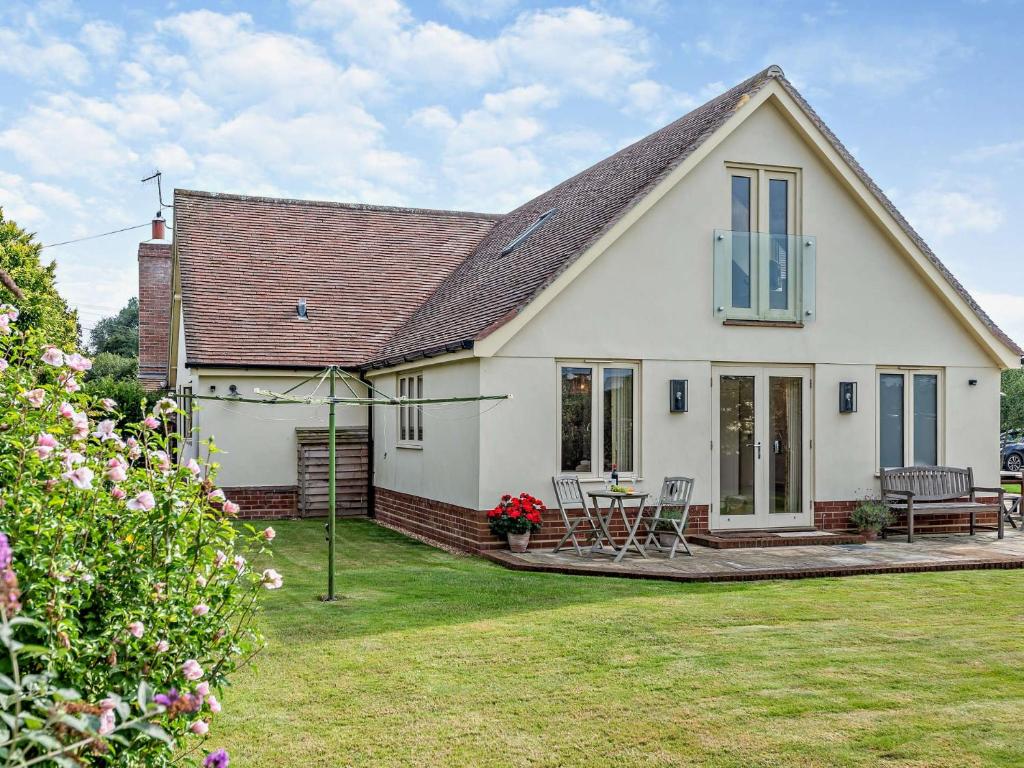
(352, 461)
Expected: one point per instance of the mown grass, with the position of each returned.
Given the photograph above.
(435, 660)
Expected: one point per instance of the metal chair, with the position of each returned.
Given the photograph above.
(675, 492)
(569, 495)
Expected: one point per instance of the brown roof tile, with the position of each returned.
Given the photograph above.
(246, 261)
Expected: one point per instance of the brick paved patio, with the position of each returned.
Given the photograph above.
(949, 552)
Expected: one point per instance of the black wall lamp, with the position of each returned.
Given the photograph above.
(677, 393)
(847, 396)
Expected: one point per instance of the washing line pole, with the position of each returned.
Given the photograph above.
(331, 490)
(285, 398)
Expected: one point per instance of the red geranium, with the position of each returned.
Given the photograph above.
(516, 514)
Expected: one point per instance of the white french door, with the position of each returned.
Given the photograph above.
(761, 437)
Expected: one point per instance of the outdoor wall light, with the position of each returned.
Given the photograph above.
(677, 391)
(213, 387)
(847, 396)
(972, 382)
(233, 390)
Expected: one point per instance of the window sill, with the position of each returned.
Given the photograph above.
(765, 323)
(410, 446)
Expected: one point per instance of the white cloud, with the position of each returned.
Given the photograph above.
(1010, 150)
(47, 60)
(102, 38)
(1007, 309)
(28, 203)
(575, 48)
(480, 9)
(656, 102)
(939, 212)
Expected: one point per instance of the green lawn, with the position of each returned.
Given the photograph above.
(435, 660)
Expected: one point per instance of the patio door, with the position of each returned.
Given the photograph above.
(761, 445)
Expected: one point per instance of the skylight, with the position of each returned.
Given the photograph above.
(522, 236)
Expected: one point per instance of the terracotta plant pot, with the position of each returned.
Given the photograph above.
(870, 534)
(666, 540)
(518, 542)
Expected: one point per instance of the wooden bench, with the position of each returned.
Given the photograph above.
(936, 491)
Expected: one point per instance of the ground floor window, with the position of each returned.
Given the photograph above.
(909, 416)
(598, 418)
(410, 417)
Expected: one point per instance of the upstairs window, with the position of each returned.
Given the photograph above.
(764, 270)
(410, 417)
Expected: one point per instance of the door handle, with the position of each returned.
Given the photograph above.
(756, 445)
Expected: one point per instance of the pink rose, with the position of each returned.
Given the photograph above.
(162, 646)
(118, 493)
(193, 467)
(213, 704)
(66, 411)
(105, 430)
(150, 423)
(78, 363)
(10, 310)
(191, 670)
(199, 727)
(81, 478)
(219, 559)
(69, 382)
(144, 502)
(36, 397)
(5, 325)
(80, 426)
(238, 563)
(230, 508)
(3, 365)
(134, 449)
(216, 495)
(271, 579)
(203, 689)
(136, 629)
(201, 609)
(106, 722)
(162, 460)
(109, 404)
(45, 444)
(269, 533)
(53, 356)
(117, 470)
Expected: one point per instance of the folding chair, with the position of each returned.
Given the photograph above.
(569, 495)
(1012, 511)
(675, 492)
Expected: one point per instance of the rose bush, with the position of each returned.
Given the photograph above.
(129, 563)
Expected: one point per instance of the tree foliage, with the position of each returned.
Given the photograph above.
(1011, 404)
(119, 334)
(40, 306)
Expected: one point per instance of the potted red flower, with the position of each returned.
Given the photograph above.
(515, 518)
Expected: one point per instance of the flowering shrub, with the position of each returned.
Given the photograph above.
(130, 566)
(43, 724)
(516, 514)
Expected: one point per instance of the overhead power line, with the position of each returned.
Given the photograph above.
(93, 237)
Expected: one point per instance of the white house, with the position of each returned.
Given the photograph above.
(730, 298)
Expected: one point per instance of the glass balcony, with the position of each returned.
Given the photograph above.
(763, 276)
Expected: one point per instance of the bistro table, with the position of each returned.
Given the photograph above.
(616, 501)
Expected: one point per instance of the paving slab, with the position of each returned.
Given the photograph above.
(947, 552)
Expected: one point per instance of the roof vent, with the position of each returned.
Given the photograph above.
(300, 310)
(521, 237)
(775, 71)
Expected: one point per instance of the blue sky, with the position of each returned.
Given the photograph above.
(480, 105)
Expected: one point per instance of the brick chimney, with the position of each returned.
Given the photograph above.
(154, 308)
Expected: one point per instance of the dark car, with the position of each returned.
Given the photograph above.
(1013, 456)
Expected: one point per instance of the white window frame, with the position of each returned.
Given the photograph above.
(760, 177)
(908, 412)
(409, 418)
(598, 368)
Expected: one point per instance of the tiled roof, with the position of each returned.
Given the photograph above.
(490, 288)
(390, 284)
(246, 261)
